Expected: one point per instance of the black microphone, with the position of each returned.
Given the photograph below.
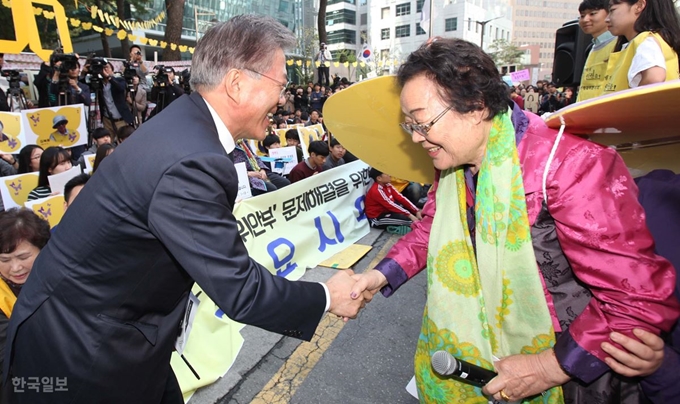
(446, 365)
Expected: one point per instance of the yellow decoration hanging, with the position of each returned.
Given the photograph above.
(37, 10)
(143, 40)
(93, 11)
(336, 64)
(191, 50)
(97, 28)
(86, 26)
(299, 62)
(75, 22)
(362, 64)
(354, 64)
(317, 63)
(290, 62)
(173, 46)
(308, 63)
(183, 48)
(48, 14)
(346, 64)
(131, 37)
(108, 31)
(153, 42)
(164, 44)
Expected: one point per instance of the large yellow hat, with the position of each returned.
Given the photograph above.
(365, 118)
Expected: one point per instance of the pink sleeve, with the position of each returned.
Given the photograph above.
(409, 255)
(601, 228)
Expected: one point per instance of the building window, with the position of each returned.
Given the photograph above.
(341, 16)
(469, 24)
(451, 24)
(384, 13)
(341, 1)
(364, 19)
(419, 6)
(283, 6)
(419, 30)
(342, 36)
(403, 9)
(402, 31)
(385, 33)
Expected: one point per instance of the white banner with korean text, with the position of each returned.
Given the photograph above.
(286, 231)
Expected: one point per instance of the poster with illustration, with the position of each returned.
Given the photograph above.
(15, 189)
(56, 126)
(50, 208)
(11, 136)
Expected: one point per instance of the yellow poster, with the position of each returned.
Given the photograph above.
(11, 135)
(56, 126)
(15, 189)
(50, 208)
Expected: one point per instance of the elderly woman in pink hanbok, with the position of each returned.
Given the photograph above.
(538, 259)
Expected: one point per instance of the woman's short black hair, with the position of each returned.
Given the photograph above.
(19, 224)
(124, 132)
(467, 78)
(51, 157)
(25, 158)
(593, 5)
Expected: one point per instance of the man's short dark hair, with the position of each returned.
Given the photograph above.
(374, 173)
(124, 132)
(2, 55)
(100, 133)
(76, 181)
(319, 147)
(135, 46)
(593, 5)
(335, 142)
(269, 140)
(292, 134)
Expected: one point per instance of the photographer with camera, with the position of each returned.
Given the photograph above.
(12, 97)
(112, 103)
(65, 89)
(137, 63)
(322, 57)
(164, 90)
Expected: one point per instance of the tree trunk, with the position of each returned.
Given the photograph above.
(106, 50)
(323, 37)
(173, 29)
(124, 43)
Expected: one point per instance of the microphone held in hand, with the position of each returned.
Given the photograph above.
(445, 364)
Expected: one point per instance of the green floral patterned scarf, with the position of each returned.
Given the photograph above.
(491, 304)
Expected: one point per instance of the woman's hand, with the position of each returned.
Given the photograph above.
(521, 376)
(640, 359)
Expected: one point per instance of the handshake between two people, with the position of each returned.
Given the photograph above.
(349, 292)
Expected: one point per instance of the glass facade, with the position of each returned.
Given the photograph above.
(201, 14)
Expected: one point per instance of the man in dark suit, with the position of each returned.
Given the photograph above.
(104, 301)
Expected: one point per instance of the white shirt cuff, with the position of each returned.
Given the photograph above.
(328, 297)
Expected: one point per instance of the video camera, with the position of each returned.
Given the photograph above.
(11, 75)
(184, 81)
(160, 78)
(69, 61)
(97, 65)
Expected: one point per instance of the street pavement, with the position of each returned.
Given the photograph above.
(367, 360)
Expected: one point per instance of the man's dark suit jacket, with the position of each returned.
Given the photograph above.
(103, 303)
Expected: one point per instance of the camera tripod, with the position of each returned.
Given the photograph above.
(16, 99)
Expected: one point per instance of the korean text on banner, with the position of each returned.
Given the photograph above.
(287, 231)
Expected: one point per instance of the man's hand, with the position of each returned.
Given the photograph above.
(640, 359)
(73, 83)
(340, 287)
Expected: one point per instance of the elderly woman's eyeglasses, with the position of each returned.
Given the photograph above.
(422, 128)
(284, 86)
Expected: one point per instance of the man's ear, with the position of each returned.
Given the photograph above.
(233, 84)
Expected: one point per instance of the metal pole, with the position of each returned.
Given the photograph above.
(431, 19)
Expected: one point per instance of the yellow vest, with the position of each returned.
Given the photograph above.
(7, 298)
(619, 63)
(594, 71)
